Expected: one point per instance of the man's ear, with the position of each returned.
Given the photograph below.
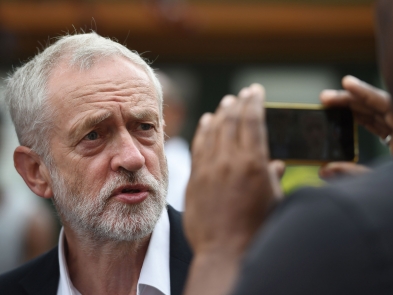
(33, 171)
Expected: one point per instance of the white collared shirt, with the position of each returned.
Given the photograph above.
(154, 278)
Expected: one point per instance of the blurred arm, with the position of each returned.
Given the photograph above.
(231, 189)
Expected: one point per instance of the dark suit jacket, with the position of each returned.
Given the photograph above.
(333, 240)
(41, 275)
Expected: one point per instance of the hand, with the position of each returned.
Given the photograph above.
(335, 169)
(231, 188)
(372, 107)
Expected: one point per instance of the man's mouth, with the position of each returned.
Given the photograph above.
(130, 190)
(131, 193)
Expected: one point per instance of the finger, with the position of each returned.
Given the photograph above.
(335, 98)
(278, 168)
(359, 96)
(389, 119)
(213, 146)
(203, 140)
(226, 102)
(228, 123)
(381, 126)
(374, 124)
(377, 130)
(335, 169)
(343, 98)
(372, 97)
(361, 108)
(252, 128)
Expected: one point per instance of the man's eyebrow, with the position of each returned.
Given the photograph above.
(87, 123)
(145, 115)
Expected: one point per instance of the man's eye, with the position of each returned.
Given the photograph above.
(146, 126)
(93, 135)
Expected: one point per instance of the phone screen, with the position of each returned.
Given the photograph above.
(311, 135)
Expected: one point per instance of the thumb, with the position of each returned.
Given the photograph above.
(277, 168)
(276, 171)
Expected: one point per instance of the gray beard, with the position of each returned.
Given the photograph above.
(101, 218)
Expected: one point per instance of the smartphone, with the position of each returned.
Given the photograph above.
(311, 134)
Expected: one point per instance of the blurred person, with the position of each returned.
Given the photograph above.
(332, 240)
(27, 227)
(88, 115)
(177, 150)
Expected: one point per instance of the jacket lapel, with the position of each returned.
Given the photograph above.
(180, 253)
(43, 279)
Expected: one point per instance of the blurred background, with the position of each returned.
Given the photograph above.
(295, 48)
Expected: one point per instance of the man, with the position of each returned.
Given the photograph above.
(88, 114)
(332, 240)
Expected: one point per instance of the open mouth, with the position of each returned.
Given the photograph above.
(130, 191)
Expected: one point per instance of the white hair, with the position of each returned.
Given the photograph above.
(26, 89)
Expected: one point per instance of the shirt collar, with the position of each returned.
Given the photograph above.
(65, 285)
(154, 278)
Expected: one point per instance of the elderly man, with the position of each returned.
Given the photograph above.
(88, 114)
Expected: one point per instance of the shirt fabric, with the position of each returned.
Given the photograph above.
(154, 278)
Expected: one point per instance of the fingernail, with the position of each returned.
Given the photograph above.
(227, 101)
(257, 89)
(245, 92)
(329, 92)
(205, 119)
(352, 79)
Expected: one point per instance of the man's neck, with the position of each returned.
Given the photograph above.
(104, 267)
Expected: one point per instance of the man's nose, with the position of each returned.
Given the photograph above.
(127, 154)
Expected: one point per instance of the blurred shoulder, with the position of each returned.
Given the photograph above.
(339, 233)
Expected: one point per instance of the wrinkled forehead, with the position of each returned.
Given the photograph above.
(111, 75)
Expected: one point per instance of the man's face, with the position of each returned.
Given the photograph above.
(110, 173)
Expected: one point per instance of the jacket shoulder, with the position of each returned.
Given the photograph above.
(38, 276)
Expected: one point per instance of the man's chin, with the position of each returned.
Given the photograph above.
(126, 222)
